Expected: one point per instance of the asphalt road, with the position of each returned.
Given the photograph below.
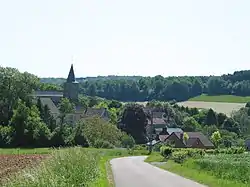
(134, 172)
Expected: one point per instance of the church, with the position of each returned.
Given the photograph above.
(70, 91)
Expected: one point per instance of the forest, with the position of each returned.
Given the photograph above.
(137, 88)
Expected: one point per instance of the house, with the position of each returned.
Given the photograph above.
(70, 91)
(247, 143)
(195, 140)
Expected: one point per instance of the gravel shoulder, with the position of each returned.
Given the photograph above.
(134, 172)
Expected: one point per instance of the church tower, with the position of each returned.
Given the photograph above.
(71, 86)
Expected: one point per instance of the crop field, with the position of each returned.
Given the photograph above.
(10, 164)
(227, 166)
(223, 107)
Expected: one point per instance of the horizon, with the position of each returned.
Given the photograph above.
(141, 38)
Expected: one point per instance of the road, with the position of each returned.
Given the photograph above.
(134, 172)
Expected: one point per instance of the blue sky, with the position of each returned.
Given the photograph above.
(132, 37)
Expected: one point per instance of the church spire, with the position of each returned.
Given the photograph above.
(71, 76)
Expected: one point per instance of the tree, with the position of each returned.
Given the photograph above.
(190, 124)
(65, 107)
(185, 137)
(97, 130)
(221, 118)
(230, 125)
(216, 138)
(19, 121)
(135, 121)
(211, 118)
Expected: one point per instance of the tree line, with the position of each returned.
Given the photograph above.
(136, 88)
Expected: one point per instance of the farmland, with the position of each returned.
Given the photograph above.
(222, 107)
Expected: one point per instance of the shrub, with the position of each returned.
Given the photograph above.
(103, 144)
(127, 141)
(180, 156)
(157, 147)
(140, 147)
(95, 128)
(166, 151)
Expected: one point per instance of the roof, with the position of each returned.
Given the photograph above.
(191, 141)
(71, 77)
(204, 140)
(48, 94)
(158, 114)
(163, 137)
(247, 142)
(171, 130)
(95, 112)
(158, 121)
(50, 104)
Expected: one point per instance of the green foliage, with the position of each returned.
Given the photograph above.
(190, 124)
(96, 129)
(166, 151)
(6, 135)
(226, 166)
(58, 170)
(179, 156)
(216, 138)
(127, 141)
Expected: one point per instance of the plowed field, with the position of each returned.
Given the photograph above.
(10, 164)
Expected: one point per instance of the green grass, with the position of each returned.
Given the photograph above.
(221, 98)
(18, 151)
(77, 166)
(191, 170)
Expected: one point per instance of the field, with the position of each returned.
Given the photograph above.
(220, 170)
(62, 167)
(221, 98)
(223, 107)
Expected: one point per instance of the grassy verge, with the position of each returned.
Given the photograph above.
(71, 167)
(221, 98)
(190, 171)
(22, 151)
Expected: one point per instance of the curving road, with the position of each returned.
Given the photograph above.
(134, 172)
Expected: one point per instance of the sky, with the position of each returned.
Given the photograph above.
(132, 37)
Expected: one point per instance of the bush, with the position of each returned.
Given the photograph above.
(166, 151)
(180, 156)
(157, 147)
(95, 128)
(140, 147)
(6, 134)
(231, 150)
(103, 144)
(127, 141)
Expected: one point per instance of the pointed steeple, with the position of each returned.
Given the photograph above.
(71, 76)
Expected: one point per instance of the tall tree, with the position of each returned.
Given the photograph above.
(135, 121)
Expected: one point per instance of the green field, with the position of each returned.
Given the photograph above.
(221, 98)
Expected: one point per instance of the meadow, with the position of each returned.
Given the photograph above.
(221, 98)
(61, 167)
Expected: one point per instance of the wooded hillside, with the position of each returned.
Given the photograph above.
(136, 88)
